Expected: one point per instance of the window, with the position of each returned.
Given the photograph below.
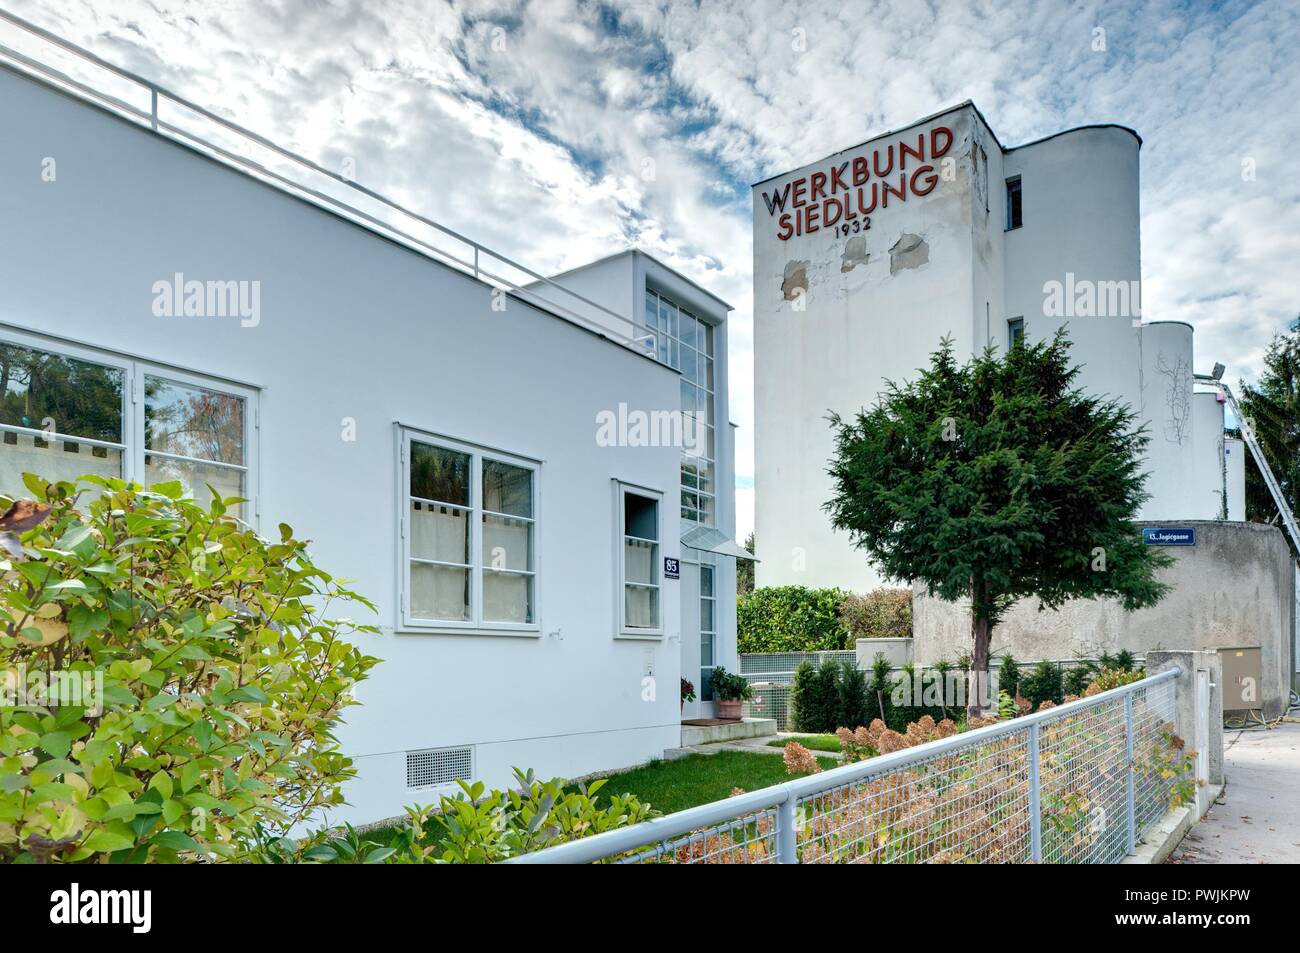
(68, 412)
(1015, 332)
(708, 632)
(195, 435)
(469, 537)
(638, 563)
(1015, 215)
(685, 343)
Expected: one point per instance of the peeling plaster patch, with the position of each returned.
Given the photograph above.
(796, 279)
(855, 253)
(910, 251)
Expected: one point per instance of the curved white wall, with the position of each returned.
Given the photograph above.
(1166, 407)
(1081, 218)
(1206, 475)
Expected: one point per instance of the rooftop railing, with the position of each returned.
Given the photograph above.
(36, 53)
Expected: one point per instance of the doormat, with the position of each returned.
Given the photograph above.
(710, 722)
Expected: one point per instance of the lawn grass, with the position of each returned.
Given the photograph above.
(811, 742)
(670, 786)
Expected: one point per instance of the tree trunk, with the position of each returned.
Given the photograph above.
(982, 633)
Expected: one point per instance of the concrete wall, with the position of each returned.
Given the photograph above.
(1234, 588)
(353, 326)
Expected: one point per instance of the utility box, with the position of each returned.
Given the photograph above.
(1243, 673)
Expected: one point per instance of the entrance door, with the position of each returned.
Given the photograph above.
(699, 634)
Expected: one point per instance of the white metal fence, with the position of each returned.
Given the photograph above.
(1080, 783)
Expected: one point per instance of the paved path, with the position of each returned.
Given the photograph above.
(1257, 818)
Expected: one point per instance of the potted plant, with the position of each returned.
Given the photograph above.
(688, 692)
(730, 690)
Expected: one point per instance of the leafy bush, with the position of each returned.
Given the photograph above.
(729, 687)
(1113, 678)
(224, 676)
(1042, 684)
(1079, 677)
(1009, 675)
(852, 696)
(881, 613)
(474, 827)
(791, 619)
(814, 697)
(802, 691)
(880, 688)
(1123, 661)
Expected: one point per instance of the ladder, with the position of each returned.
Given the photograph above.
(1257, 452)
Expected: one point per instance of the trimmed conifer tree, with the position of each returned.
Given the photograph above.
(998, 480)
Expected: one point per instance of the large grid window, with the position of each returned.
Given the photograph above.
(64, 415)
(639, 563)
(685, 343)
(708, 632)
(469, 533)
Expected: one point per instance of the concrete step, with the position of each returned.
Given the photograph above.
(728, 731)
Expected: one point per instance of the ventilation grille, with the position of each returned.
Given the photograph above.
(426, 769)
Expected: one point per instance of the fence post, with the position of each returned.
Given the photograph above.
(786, 835)
(1130, 809)
(1035, 814)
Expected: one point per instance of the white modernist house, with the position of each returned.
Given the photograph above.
(865, 260)
(532, 479)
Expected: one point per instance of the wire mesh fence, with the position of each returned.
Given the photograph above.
(1081, 783)
(770, 675)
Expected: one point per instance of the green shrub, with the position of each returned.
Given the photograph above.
(1122, 661)
(1042, 684)
(1009, 675)
(473, 827)
(799, 705)
(1079, 677)
(728, 687)
(881, 613)
(852, 697)
(814, 703)
(224, 675)
(790, 619)
(880, 689)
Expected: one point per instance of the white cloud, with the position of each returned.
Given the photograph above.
(475, 112)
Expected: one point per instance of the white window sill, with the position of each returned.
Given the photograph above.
(527, 633)
(640, 636)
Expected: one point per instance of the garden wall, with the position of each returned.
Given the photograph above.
(1234, 588)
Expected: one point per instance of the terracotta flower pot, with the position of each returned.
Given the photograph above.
(729, 708)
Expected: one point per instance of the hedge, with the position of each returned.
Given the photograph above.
(791, 619)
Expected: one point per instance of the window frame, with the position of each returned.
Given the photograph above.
(134, 371)
(706, 688)
(671, 343)
(1015, 185)
(475, 624)
(621, 629)
(1015, 325)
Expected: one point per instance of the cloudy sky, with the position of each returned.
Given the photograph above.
(560, 131)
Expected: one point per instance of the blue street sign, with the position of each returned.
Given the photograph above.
(1169, 535)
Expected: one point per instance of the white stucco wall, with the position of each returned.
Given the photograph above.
(831, 349)
(354, 326)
